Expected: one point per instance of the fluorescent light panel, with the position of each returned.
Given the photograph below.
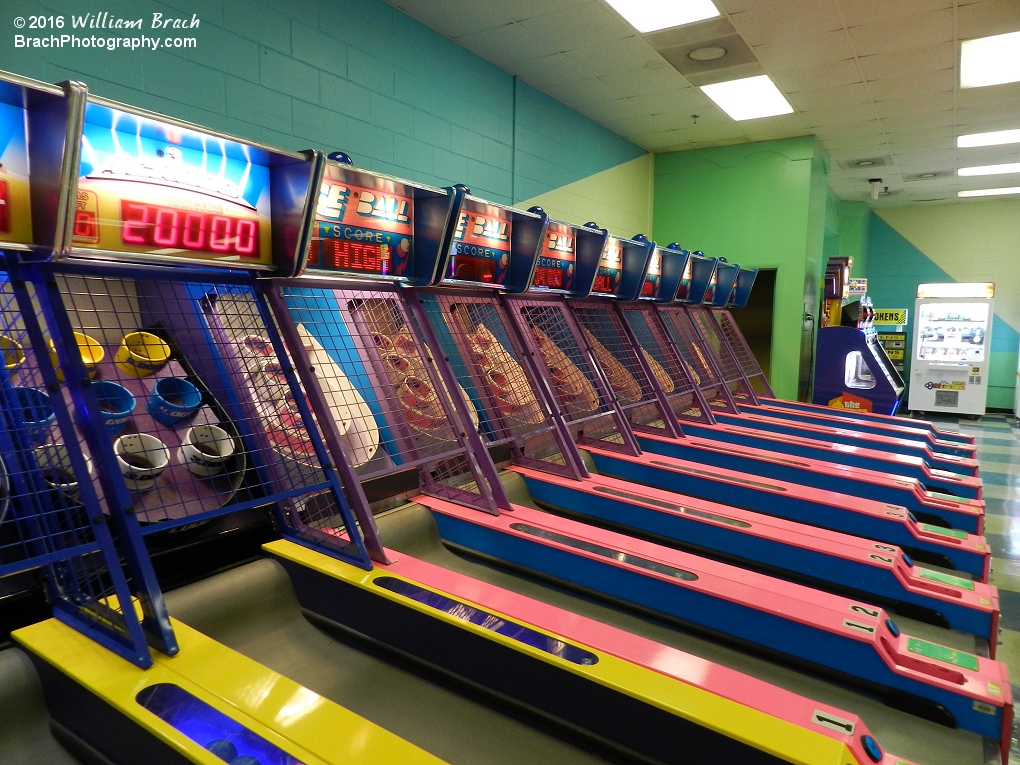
(652, 15)
(990, 60)
(748, 99)
(988, 192)
(996, 138)
(1011, 167)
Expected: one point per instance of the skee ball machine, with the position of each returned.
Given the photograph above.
(857, 370)
(740, 349)
(682, 509)
(359, 328)
(498, 345)
(101, 450)
(887, 475)
(901, 440)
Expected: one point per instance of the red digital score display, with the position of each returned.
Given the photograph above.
(345, 255)
(5, 209)
(468, 269)
(145, 225)
(603, 283)
(552, 278)
(648, 288)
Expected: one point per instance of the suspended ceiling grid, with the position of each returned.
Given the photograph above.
(875, 80)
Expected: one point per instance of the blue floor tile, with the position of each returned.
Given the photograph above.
(1002, 547)
(1000, 458)
(989, 441)
(1000, 479)
(1002, 507)
(1009, 605)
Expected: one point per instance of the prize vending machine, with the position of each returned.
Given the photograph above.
(952, 335)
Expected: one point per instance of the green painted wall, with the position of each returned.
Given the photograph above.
(853, 234)
(762, 205)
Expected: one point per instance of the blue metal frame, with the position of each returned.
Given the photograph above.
(115, 534)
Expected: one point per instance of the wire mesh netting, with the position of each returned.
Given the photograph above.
(606, 336)
(670, 371)
(696, 357)
(585, 400)
(486, 357)
(51, 512)
(738, 346)
(394, 411)
(203, 414)
(726, 364)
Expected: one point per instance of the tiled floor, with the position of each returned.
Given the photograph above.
(998, 442)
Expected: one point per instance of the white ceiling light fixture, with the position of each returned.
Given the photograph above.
(990, 60)
(653, 15)
(709, 53)
(988, 192)
(1012, 167)
(995, 138)
(748, 99)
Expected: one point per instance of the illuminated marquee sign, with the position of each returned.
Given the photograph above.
(360, 230)
(15, 211)
(151, 187)
(555, 267)
(653, 276)
(610, 271)
(480, 253)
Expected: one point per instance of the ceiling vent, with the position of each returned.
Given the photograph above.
(706, 67)
(866, 163)
(931, 175)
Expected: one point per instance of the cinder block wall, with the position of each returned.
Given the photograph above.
(336, 74)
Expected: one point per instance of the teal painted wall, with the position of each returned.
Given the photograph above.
(761, 205)
(896, 267)
(338, 74)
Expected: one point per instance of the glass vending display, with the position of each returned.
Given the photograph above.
(952, 332)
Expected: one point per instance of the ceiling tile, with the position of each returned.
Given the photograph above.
(615, 56)
(504, 45)
(580, 27)
(826, 75)
(548, 70)
(638, 124)
(915, 144)
(932, 103)
(928, 58)
(912, 85)
(908, 32)
(789, 21)
(904, 122)
(987, 18)
(836, 115)
(601, 111)
(739, 6)
(825, 97)
(643, 81)
(584, 95)
(983, 114)
(1006, 96)
(807, 51)
(453, 20)
(683, 101)
(519, 10)
(929, 158)
(859, 13)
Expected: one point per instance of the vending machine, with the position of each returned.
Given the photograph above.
(952, 335)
